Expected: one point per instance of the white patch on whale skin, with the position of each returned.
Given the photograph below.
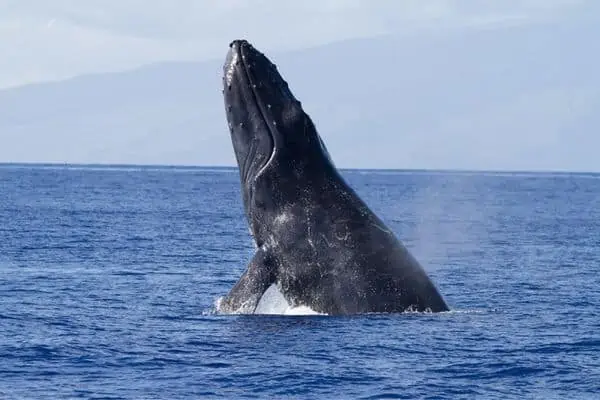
(272, 302)
(381, 228)
(245, 308)
(282, 218)
(309, 234)
(231, 68)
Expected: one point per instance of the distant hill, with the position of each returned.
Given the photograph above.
(505, 98)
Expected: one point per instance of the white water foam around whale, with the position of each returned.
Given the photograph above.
(272, 302)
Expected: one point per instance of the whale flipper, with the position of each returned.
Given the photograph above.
(246, 293)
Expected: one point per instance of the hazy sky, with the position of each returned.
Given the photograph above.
(516, 99)
(46, 40)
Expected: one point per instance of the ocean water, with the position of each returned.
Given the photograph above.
(109, 278)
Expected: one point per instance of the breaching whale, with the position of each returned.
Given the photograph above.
(317, 242)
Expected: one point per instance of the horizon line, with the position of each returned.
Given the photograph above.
(67, 165)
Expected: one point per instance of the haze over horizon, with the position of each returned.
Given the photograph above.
(437, 85)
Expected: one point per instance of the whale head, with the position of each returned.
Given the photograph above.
(275, 141)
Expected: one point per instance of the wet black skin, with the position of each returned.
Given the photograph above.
(316, 239)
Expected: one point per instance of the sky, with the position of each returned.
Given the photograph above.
(45, 41)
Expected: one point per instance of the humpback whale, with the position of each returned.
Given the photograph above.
(317, 242)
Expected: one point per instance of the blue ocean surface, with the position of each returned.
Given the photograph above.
(109, 279)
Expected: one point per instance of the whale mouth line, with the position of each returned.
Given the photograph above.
(264, 114)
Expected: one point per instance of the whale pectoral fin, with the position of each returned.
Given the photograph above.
(244, 296)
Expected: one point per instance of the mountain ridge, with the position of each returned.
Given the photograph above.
(465, 99)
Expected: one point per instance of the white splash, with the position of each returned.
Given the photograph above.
(218, 302)
(301, 310)
(272, 302)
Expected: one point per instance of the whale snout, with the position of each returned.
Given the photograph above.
(241, 57)
(247, 69)
(263, 115)
(238, 43)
